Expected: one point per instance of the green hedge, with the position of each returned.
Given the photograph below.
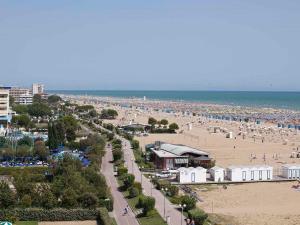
(15, 170)
(38, 214)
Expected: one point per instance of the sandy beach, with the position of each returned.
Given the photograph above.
(265, 143)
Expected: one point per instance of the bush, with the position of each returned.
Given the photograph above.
(138, 186)
(190, 202)
(129, 180)
(32, 214)
(117, 154)
(173, 190)
(122, 170)
(162, 184)
(199, 216)
(148, 204)
(104, 217)
(133, 192)
(135, 144)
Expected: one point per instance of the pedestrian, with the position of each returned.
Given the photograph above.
(125, 211)
(192, 222)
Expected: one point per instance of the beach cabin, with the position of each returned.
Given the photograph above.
(217, 174)
(250, 173)
(191, 175)
(291, 171)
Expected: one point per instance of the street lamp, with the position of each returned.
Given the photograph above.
(141, 167)
(132, 165)
(182, 207)
(151, 179)
(164, 190)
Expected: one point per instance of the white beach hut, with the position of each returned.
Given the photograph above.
(291, 171)
(250, 173)
(217, 173)
(191, 175)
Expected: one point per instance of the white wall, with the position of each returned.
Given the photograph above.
(291, 172)
(192, 175)
(249, 174)
(217, 175)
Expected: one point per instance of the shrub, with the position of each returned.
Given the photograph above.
(133, 192)
(190, 202)
(38, 214)
(148, 204)
(135, 144)
(173, 190)
(162, 184)
(140, 202)
(117, 154)
(122, 170)
(199, 216)
(88, 200)
(129, 180)
(138, 186)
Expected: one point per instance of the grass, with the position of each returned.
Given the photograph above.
(26, 223)
(152, 219)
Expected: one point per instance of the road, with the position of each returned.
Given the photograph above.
(119, 200)
(169, 209)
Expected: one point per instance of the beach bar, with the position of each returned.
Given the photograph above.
(191, 175)
(250, 173)
(291, 171)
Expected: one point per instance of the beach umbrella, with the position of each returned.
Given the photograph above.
(5, 223)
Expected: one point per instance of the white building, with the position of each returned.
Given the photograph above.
(191, 175)
(291, 171)
(4, 106)
(21, 95)
(25, 99)
(217, 173)
(250, 173)
(37, 89)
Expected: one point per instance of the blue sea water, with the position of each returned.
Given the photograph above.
(284, 100)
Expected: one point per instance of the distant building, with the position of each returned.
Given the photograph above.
(4, 106)
(37, 89)
(21, 95)
(169, 156)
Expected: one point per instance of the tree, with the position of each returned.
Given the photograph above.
(26, 201)
(11, 100)
(133, 192)
(7, 197)
(129, 180)
(147, 204)
(39, 110)
(173, 126)
(54, 99)
(40, 150)
(189, 201)
(88, 200)
(69, 198)
(52, 139)
(117, 154)
(108, 114)
(164, 122)
(21, 120)
(152, 121)
(25, 141)
(60, 131)
(2, 142)
(37, 98)
(135, 144)
(20, 109)
(23, 151)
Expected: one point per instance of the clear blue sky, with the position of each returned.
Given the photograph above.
(166, 44)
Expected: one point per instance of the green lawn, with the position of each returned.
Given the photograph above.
(26, 223)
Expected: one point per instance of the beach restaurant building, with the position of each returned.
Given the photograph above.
(250, 173)
(169, 156)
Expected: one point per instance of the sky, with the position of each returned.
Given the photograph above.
(151, 45)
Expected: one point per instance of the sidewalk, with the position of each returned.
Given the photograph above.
(170, 210)
(119, 200)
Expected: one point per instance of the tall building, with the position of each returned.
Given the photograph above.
(37, 89)
(4, 105)
(21, 95)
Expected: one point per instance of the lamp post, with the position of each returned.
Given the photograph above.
(182, 207)
(164, 190)
(141, 167)
(132, 165)
(151, 179)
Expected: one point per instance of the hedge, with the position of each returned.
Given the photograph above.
(16, 170)
(38, 214)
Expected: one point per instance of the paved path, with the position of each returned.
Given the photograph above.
(170, 209)
(119, 200)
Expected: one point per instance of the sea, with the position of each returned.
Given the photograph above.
(280, 100)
